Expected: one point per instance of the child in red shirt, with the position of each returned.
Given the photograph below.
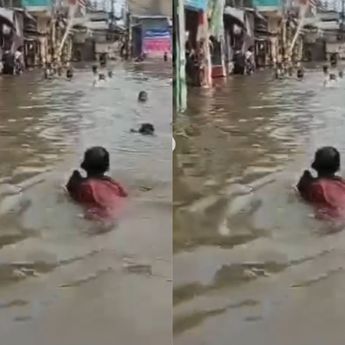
(100, 195)
(326, 192)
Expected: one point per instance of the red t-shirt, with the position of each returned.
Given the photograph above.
(102, 198)
(327, 196)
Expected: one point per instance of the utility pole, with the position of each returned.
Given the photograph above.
(112, 9)
(342, 21)
(129, 34)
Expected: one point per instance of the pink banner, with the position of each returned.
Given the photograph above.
(157, 45)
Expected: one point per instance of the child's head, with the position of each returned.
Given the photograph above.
(326, 161)
(142, 97)
(325, 69)
(96, 161)
(147, 129)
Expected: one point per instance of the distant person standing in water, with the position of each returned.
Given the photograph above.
(300, 73)
(69, 74)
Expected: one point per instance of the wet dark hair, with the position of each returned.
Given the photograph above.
(96, 160)
(94, 68)
(326, 160)
(142, 97)
(147, 129)
(325, 68)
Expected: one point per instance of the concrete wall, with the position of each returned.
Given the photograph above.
(84, 51)
(315, 51)
(151, 7)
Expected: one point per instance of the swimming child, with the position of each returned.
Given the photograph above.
(94, 70)
(145, 129)
(100, 195)
(326, 191)
(142, 97)
(341, 74)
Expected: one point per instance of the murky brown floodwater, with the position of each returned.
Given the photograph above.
(251, 266)
(61, 281)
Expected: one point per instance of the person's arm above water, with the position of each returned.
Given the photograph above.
(74, 182)
(304, 183)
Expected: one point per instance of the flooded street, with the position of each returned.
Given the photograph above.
(251, 264)
(62, 280)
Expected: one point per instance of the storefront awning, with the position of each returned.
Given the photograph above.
(7, 16)
(236, 13)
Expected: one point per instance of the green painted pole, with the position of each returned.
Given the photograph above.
(180, 92)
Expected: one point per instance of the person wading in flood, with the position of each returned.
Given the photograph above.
(250, 63)
(279, 71)
(326, 191)
(200, 64)
(69, 74)
(100, 195)
(300, 73)
(19, 61)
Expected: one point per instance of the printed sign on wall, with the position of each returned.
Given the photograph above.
(157, 42)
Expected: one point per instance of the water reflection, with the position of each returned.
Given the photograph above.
(240, 231)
